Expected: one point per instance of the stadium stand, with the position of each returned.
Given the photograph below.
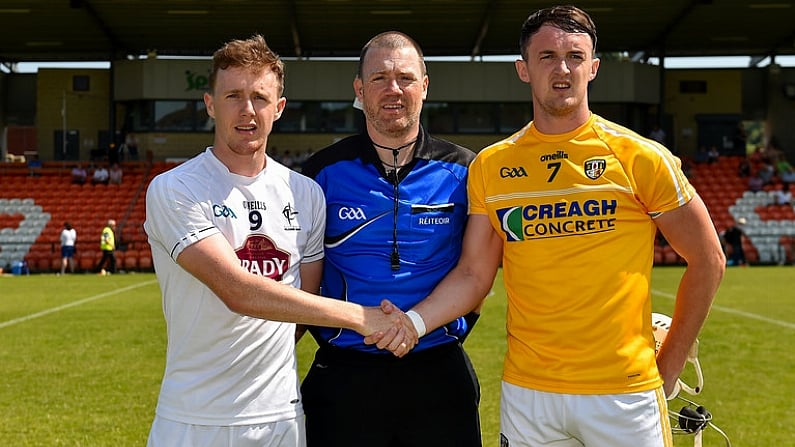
(34, 208)
(769, 229)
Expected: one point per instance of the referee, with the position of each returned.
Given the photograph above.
(396, 212)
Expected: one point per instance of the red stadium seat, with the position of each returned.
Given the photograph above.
(87, 259)
(145, 261)
(670, 257)
(129, 262)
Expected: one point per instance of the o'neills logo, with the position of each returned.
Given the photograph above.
(558, 155)
(594, 168)
(260, 256)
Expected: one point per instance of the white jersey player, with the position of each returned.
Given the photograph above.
(274, 221)
(235, 238)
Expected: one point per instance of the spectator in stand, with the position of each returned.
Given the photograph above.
(733, 243)
(34, 166)
(783, 196)
(713, 155)
(79, 174)
(309, 152)
(288, 160)
(773, 151)
(115, 174)
(766, 171)
(756, 182)
(101, 175)
(756, 157)
(114, 153)
(301, 158)
(744, 168)
(784, 170)
(131, 143)
(702, 156)
(68, 239)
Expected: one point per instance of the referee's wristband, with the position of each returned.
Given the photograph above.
(419, 323)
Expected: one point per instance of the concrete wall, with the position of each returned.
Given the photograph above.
(333, 81)
(723, 97)
(751, 93)
(86, 111)
(781, 109)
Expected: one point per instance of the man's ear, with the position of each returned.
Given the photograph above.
(208, 103)
(358, 87)
(521, 70)
(594, 69)
(425, 82)
(280, 107)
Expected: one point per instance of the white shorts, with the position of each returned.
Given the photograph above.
(536, 418)
(168, 433)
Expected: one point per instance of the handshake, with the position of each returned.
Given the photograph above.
(389, 328)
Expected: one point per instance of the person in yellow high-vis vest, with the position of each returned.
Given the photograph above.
(107, 244)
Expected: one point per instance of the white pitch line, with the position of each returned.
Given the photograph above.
(73, 304)
(741, 313)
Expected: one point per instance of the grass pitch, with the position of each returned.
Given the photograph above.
(81, 357)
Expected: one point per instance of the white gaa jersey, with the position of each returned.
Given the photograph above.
(223, 368)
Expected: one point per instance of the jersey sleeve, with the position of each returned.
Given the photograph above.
(175, 219)
(314, 245)
(476, 187)
(658, 179)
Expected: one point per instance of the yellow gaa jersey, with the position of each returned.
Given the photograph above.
(575, 213)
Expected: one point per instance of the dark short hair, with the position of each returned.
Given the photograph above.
(566, 17)
(252, 53)
(392, 40)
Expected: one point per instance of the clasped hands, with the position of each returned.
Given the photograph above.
(389, 328)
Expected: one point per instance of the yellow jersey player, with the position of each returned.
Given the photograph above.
(569, 205)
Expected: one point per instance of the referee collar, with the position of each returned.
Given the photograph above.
(422, 150)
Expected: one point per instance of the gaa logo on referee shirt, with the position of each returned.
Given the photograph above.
(594, 168)
(351, 213)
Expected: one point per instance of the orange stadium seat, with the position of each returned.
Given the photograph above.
(788, 244)
(37, 261)
(669, 256)
(145, 260)
(129, 261)
(658, 256)
(87, 259)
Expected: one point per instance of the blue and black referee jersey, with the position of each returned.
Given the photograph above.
(390, 235)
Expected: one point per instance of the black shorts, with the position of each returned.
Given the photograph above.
(425, 399)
